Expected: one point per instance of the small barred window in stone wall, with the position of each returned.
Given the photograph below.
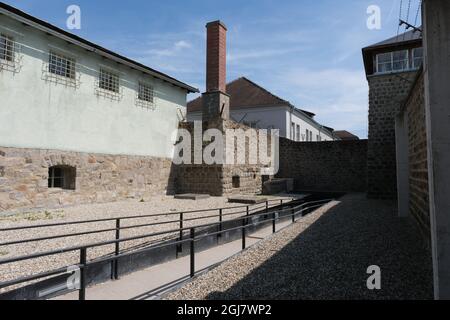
(62, 177)
(145, 96)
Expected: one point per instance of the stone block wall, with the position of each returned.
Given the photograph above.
(99, 178)
(418, 155)
(339, 166)
(217, 180)
(387, 93)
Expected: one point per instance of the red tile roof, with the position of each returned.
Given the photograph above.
(247, 94)
(345, 135)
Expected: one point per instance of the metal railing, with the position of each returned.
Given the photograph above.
(292, 211)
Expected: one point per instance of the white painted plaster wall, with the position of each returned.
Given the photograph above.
(35, 113)
(274, 118)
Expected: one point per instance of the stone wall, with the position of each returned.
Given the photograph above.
(386, 95)
(418, 155)
(339, 166)
(217, 180)
(99, 178)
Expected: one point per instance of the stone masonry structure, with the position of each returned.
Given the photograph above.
(24, 175)
(391, 67)
(335, 166)
(221, 179)
(387, 93)
(413, 116)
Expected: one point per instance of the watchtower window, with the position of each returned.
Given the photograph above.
(236, 182)
(62, 177)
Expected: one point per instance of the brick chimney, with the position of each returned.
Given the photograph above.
(216, 103)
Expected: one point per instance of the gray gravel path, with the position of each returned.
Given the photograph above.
(154, 205)
(326, 256)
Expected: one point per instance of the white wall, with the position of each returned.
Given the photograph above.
(274, 118)
(35, 113)
(305, 124)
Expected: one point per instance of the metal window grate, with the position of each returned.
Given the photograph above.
(61, 65)
(108, 85)
(109, 81)
(145, 96)
(61, 69)
(6, 48)
(9, 54)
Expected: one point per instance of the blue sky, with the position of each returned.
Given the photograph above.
(307, 52)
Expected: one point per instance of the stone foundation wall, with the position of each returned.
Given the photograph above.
(418, 155)
(339, 166)
(99, 178)
(387, 93)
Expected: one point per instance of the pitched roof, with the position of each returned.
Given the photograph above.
(244, 93)
(407, 40)
(345, 135)
(401, 38)
(27, 19)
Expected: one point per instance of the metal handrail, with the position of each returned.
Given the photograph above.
(121, 228)
(83, 249)
(129, 217)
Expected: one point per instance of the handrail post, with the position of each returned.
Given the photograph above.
(243, 234)
(180, 245)
(83, 259)
(117, 251)
(192, 252)
(274, 223)
(219, 235)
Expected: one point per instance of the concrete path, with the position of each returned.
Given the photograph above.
(148, 284)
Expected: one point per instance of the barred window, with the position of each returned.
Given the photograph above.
(63, 177)
(61, 65)
(109, 81)
(6, 48)
(417, 57)
(146, 93)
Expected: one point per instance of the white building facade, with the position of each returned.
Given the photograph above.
(256, 107)
(65, 100)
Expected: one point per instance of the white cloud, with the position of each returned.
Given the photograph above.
(175, 49)
(339, 97)
(182, 45)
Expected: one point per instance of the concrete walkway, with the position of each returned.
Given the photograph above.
(152, 282)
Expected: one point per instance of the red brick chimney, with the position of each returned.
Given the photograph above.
(216, 103)
(216, 57)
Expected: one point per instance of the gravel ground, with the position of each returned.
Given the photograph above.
(154, 205)
(326, 256)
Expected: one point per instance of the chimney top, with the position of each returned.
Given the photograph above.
(217, 22)
(216, 56)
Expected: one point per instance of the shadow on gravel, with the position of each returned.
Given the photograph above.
(329, 260)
